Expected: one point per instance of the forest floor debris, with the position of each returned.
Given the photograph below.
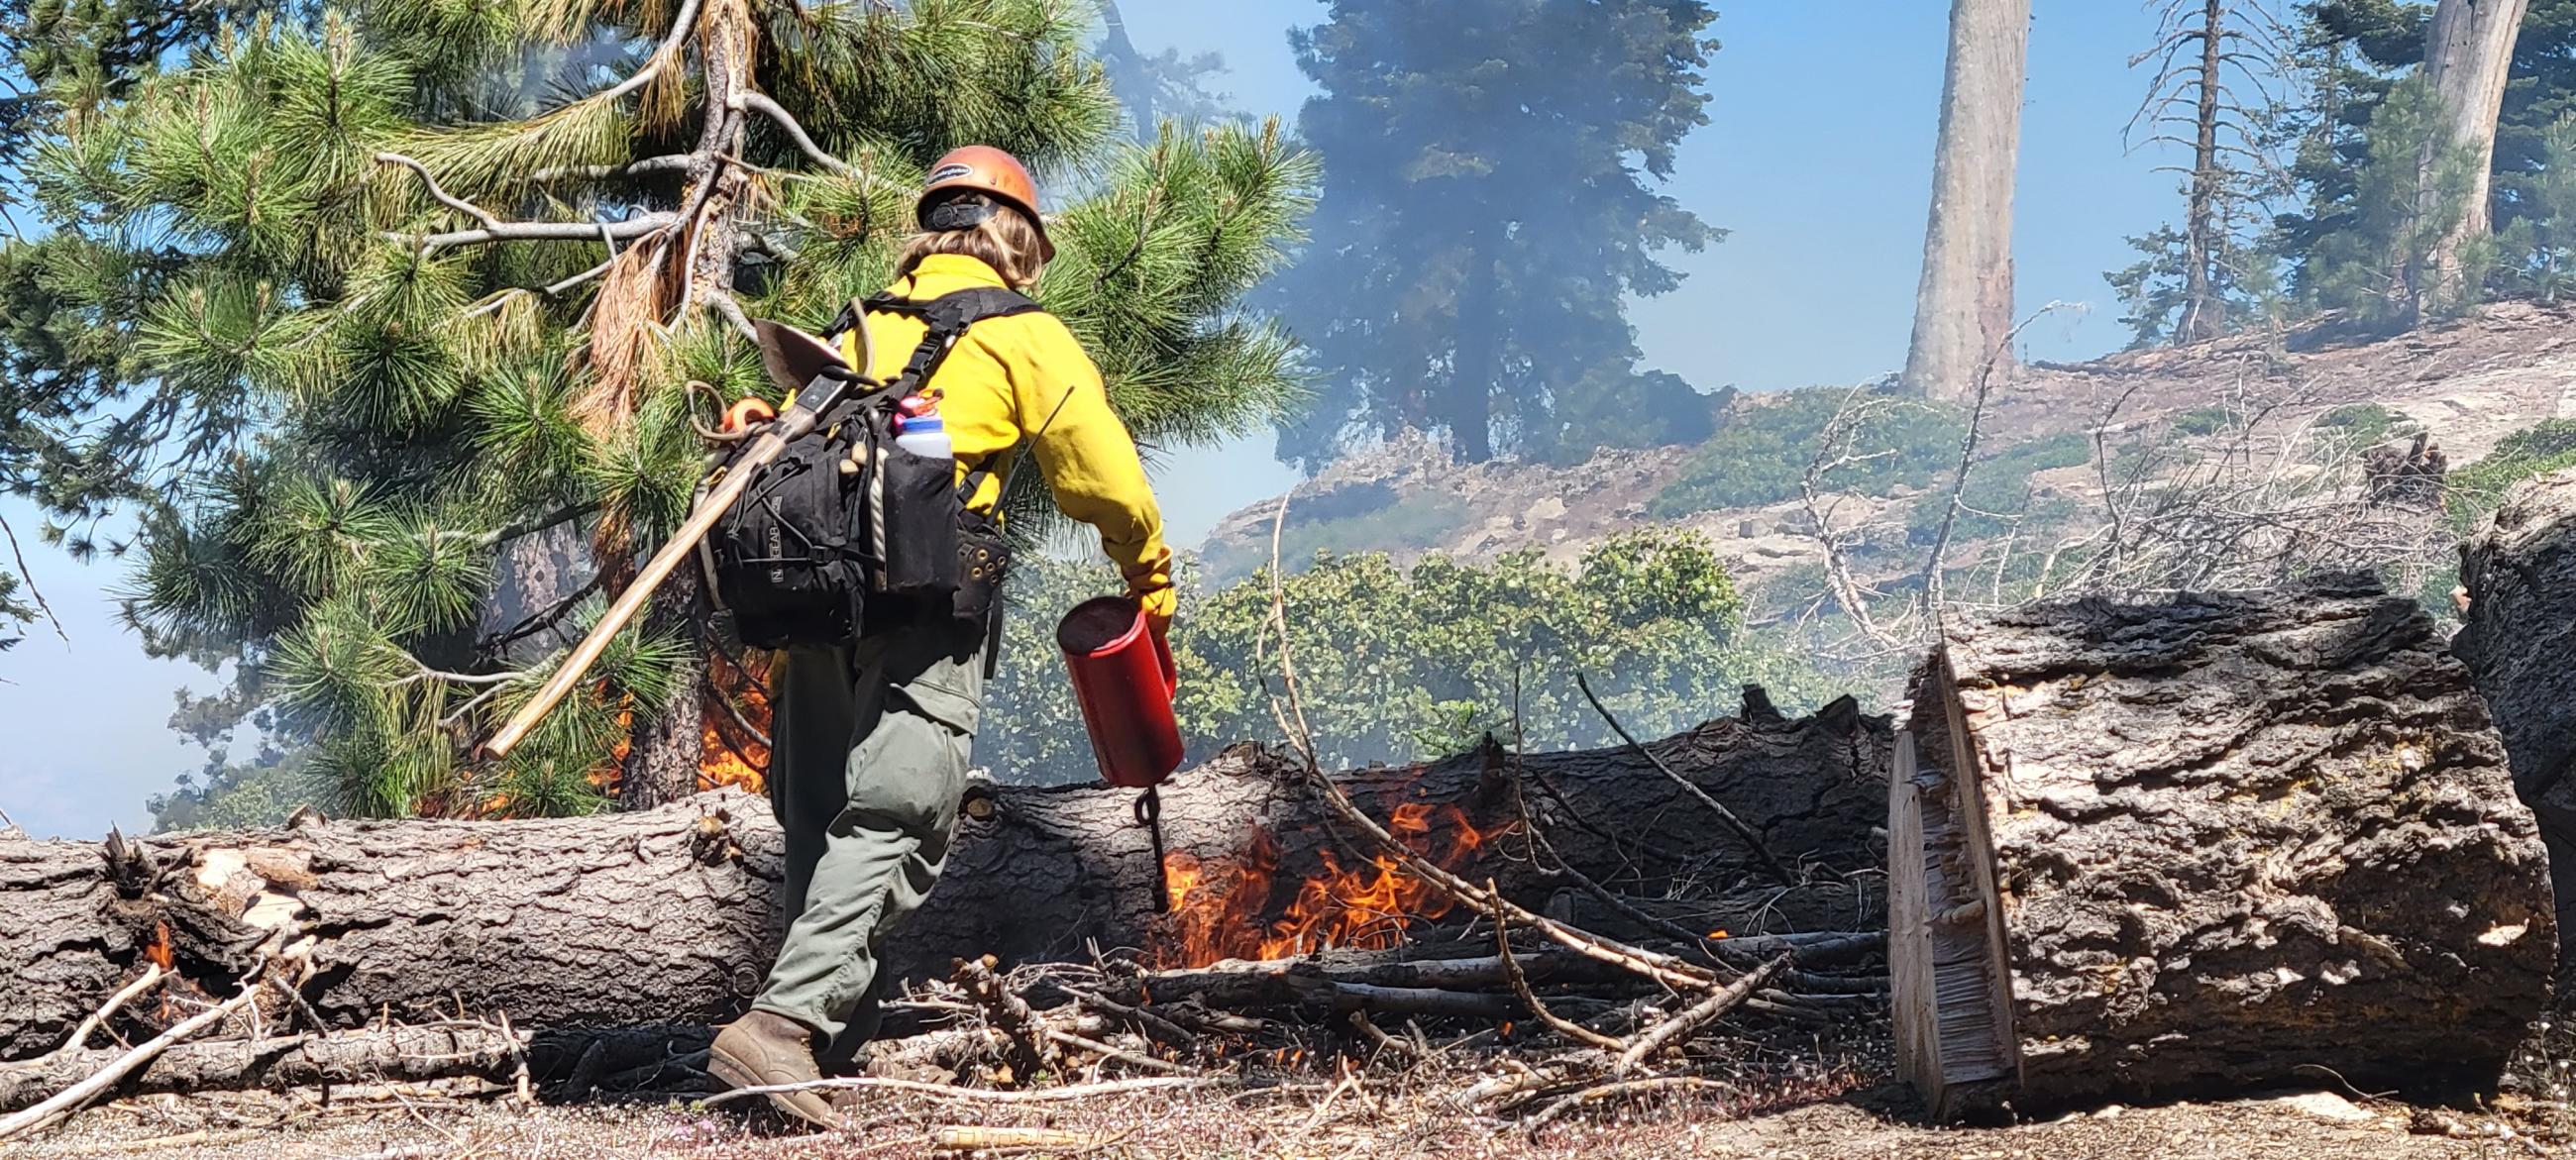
(1834, 1115)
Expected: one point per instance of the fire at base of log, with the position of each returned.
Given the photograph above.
(582, 930)
(2157, 847)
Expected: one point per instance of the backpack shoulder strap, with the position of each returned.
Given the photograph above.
(947, 319)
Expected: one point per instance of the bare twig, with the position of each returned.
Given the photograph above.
(1932, 580)
(1056, 1095)
(1520, 987)
(1700, 1014)
(786, 121)
(80, 1034)
(41, 603)
(1751, 838)
(1122, 1055)
(430, 181)
(1625, 1088)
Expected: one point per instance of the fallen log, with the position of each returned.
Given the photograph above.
(397, 1054)
(2516, 635)
(2154, 848)
(669, 916)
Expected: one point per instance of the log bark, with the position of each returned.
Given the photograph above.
(1963, 308)
(2162, 847)
(2515, 636)
(670, 916)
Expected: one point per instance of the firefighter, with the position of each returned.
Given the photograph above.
(873, 739)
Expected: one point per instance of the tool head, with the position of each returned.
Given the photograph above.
(794, 358)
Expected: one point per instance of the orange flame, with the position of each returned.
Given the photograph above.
(728, 752)
(1218, 904)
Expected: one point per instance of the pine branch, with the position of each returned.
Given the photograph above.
(469, 209)
(30, 577)
(682, 25)
(630, 228)
(665, 163)
(762, 105)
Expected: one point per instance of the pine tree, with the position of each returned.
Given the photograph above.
(2218, 65)
(428, 300)
(1489, 209)
(1165, 86)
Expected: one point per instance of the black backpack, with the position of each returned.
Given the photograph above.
(846, 533)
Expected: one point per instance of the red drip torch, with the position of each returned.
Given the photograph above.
(1124, 679)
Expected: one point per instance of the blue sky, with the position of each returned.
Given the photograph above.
(1817, 157)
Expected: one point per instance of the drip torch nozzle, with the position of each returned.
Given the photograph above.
(1149, 814)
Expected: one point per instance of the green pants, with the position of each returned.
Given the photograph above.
(871, 757)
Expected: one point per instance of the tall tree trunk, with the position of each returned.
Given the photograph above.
(1469, 408)
(2468, 56)
(2204, 311)
(666, 747)
(1963, 311)
(1127, 76)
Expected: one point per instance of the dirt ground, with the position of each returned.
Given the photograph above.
(1870, 1124)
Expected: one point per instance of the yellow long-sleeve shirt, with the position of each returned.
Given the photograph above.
(1024, 379)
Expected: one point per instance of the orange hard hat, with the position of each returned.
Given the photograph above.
(986, 170)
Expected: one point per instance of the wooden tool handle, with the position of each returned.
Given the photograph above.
(632, 600)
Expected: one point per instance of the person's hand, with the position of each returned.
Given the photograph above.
(1158, 604)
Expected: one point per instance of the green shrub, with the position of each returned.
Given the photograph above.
(1397, 663)
(2347, 430)
(1761, 453)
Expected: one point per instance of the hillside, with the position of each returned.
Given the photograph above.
(2468, 385)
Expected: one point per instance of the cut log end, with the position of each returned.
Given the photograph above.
(2159, 848)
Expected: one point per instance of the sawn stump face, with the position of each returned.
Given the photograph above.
(2236, 837)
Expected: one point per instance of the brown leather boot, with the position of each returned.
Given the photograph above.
(761, 1050)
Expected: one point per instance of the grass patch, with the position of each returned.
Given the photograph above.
(2201, 421)
(2473, 492)
(1998, 490)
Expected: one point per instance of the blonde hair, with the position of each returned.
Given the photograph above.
(1007, 241)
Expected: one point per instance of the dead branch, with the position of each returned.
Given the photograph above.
(1521, 988)
(80, 1035)
(1122, 1055)
(1000, 1140)
(1700, 1015)
(1622, 1088)
(73, 1098)
(1750, 837)
(786, 121)
(1007, 1012)
(625, 230)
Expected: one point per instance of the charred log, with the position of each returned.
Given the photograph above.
(670, 916)
(2161, 847)
(2516, 634)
